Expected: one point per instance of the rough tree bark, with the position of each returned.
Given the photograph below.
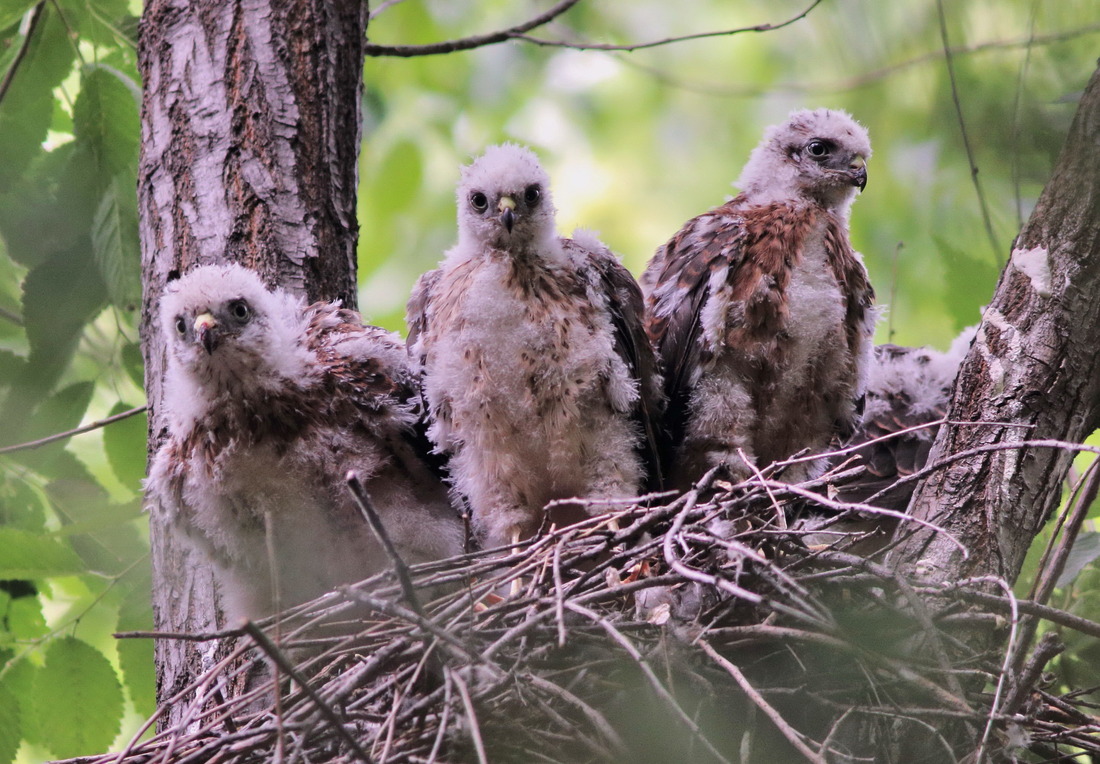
(1034, 366)
(250, 138)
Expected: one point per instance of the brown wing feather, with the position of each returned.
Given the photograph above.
(627, 309)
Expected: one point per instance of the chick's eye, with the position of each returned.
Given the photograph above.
(240, 310)
(181, 326)
(532, 195)
(479, 201)
(817, 149)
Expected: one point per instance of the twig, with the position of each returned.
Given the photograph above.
(370, 514)
(789, 732)
(11, 316)
(24, 48)
(631, 47)
(178, 635)
(276, 655)
(1049, 646)
(469, 43)
(965, 136)
(654, 682)
(69, 433)
(468, 704)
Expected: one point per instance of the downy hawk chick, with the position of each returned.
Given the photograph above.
(761, 311)
(269, 404)
(540, 381)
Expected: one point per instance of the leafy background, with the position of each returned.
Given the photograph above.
(636, 144)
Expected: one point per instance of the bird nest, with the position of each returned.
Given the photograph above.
(710, 626)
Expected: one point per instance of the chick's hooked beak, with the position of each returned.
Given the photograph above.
(857, 170)
(507, 207)
(206, 329)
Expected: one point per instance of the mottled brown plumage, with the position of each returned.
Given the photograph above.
(761, 311)
(269, 404)
(539, 378)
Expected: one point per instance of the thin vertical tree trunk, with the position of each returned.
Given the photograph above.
(250, 137)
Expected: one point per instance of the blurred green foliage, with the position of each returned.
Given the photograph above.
(636, 142)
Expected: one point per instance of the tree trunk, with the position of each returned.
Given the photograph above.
(1034, 366)
(250, 137)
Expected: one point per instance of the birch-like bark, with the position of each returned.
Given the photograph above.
(250, 137)
(1035, 367)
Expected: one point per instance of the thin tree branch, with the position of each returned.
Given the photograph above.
(631, 47)
(520, 33)
(276, 655)
(370, 514)
(69, 433)
(950, 61)
(24, 47)
(789, 732)
(469, 43)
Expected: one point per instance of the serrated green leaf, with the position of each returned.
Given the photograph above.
(135, 656)
(25, 619)
(28, 555)
(11, 727)
(19, 681)
(115, 242)
(96, 21)
(78, 685)
(12, 11)
(58, 413)
(27, 108)
(22, 506)
(10, 364)
(125, 444)
(48, 211)
(59, 297)
(106, 120)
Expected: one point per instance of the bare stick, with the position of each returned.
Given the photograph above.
(366, 506)
(468, 43)
(781, 724)
(475, 728)
(76, 431)
(280, 660)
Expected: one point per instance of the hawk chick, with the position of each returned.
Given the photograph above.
(269, 404)
(761, 311)
(539, 378)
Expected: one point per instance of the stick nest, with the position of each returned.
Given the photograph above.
(713, 626)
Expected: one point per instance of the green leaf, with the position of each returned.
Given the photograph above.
(1086, 549)
(125, 444)
(19, 681)
(115, 242)
(96, 21)
(77, 685)
(28, 555)
(27, 109)
(106, 120)
(59, 297)
(59, 413)
(26, 619)
(11, 11)
(11, 728)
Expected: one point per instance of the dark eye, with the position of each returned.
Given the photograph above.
(817, 149)
(239, 310)
(181, 326)
(531, 195)
(479, 201)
